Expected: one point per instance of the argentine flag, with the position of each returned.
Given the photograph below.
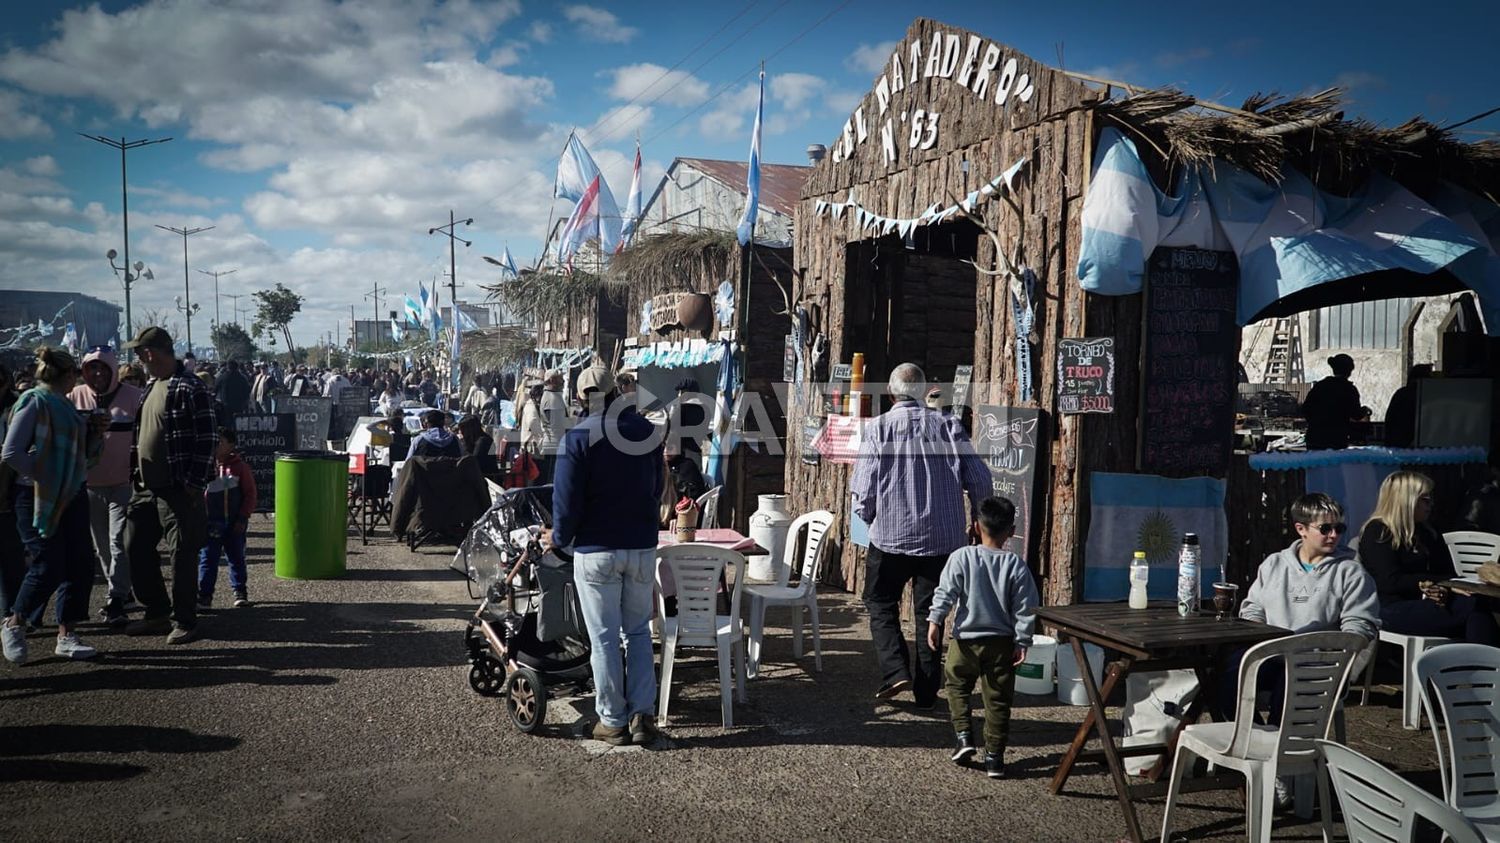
(746, 229)
(1133, 512)
(413, 311)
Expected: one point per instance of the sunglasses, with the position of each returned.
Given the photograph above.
(1329, 529)
(99, 348)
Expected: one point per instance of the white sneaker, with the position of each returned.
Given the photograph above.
(13, 639)
(69, 647)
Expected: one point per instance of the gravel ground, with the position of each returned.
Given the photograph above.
(340, 709)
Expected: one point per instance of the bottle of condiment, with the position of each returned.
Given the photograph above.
(856, 384)
(1140, 575)
(1189, 587)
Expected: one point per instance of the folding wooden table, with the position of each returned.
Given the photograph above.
(1154, 638)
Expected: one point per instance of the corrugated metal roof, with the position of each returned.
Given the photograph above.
(780, 184)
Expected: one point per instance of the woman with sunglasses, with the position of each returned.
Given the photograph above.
(1405, 555)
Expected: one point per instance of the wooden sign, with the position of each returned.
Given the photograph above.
(1190, 350)
(1007, 439)
(261, 436)
(962, 377)
(313, 416)
(789, 359)
(1086, 375)
(353, 402)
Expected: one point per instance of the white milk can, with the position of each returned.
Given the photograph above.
(768, 527)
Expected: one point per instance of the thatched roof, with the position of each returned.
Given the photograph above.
(1308, 132)
(548, 294)
(673, 260)
(494, 347)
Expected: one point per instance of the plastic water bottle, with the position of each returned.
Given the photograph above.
(1188, 586)
(1140, 574)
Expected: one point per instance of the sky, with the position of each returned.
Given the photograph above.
(322, 139)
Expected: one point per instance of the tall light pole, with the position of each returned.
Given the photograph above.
(235, 305)
(187, 290)
(216, 273)
(124, 146)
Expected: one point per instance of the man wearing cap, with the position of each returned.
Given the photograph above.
(609, 476)
(172, 462)
(1331, 407)
(108, 481)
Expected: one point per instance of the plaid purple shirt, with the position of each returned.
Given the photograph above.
(190, 433)
(915, 466)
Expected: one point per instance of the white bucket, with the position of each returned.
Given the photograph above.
(1070, 688)
(1034, 676)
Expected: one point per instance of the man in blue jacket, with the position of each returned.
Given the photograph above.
(604, 500)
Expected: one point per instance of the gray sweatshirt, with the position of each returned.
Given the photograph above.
(1336, 594)
(992, 592)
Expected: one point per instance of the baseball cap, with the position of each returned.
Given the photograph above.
(596, 378)
(152, 337)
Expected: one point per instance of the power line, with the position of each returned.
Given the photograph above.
(730, 84)
(665, 73)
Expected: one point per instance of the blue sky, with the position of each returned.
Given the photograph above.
(323, 139)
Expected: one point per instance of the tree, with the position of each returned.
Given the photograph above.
(233, 343)
(275, 310)
(148, 317)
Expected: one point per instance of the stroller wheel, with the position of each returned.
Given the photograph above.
(526, 699)
(487, 677)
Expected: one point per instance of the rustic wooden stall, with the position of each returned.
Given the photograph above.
(953, 111)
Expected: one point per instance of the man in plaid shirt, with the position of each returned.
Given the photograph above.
(171, 463)
(915, 468)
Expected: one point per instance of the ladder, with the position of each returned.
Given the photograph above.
(1284, 356)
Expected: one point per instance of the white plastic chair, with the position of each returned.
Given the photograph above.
(1380, 806)
(802, 596)
(1470, 549)
(1317, 667)
(697, 570)
(1412, 648)
(1466, 679)
(708, 507)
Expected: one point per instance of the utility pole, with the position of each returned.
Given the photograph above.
(353, 334)
(186, 287)
(235, 305)
(452, 262)
(125, 146)
(216, 273)
(374, 295)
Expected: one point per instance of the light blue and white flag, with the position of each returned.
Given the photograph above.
(576, 171)
(508, 263)
(632, 202)
(70, 338)
(464, 320)
(746, 229)
(413, 311)
(1143, 512)
(455, 371)
(396, 333)
(425, 317)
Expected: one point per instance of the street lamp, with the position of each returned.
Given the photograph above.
(216, 273)
(124, 146)
(141, 271)
(187, 310)
(186, 288)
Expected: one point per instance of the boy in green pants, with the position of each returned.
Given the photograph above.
(995, 600)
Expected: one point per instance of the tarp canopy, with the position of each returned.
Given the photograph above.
(1298, 247)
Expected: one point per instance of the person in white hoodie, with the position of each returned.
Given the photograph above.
(108, 482)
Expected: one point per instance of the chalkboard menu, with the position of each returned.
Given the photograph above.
(313, 416)
(1191, 346)
(1007, 439)
(1086, 375)
(260, 437)
(353, 402)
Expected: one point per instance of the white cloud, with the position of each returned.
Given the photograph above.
(16, 123)
(42, 165)
(842, 101)
(598, 24)
(672, 87)
(618, 123)
(870, 58)
(794, 90)
(731, 114)
(540, 32)
(168, 197)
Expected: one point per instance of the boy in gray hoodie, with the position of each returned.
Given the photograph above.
(996, 600)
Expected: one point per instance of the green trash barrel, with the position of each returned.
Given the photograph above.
(312, 514)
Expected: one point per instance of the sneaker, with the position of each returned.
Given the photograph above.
(148, 626)
(205, 604)
(612, 735)
(1284, 797)
(891, 689)
(241, 600)
(963, 747)
(182, 635)
(113, 614)
(14, 640)
(994, 765)
(70, 647)
(130, 605)
(643, 729)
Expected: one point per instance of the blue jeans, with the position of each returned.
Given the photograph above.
(223, 540)
(616, 590)
(64, 559)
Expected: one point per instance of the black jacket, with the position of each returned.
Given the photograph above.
(1331, 405)
(1397, 572)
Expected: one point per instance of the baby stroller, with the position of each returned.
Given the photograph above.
(527, 639)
